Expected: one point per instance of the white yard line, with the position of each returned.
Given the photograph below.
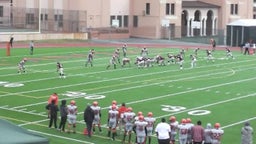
(62, 137)
(128, 88)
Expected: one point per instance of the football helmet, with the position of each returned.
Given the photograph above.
(95, 103)
(72, 102)
(217, 125)
(172, 118)
(141, 118)
(140, 113)
(150, 114)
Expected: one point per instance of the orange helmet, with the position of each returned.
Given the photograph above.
(141, 118)
(73, 102)
(129, 109)
(217, 125)
(95, 103)
(189, 120)
(140, 113)
(150, 114)
(113, 107)
(183, 121)
(172, 118)
(114, 102)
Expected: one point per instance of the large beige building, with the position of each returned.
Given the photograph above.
(140, 18)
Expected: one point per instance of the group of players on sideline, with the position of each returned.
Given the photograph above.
(143, 60)
(128, 123)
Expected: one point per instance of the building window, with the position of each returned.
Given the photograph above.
(135, 21)
(59, 19)
(46, 17)
(42, 17)
(1, 11)
(119, 18)
(126, 21)
(234, 9)
(30, 19)
(60, 23)
(55, 17)
(167, 9)
(147, 8)
(172, 9)
(111, 20)
(254, 16)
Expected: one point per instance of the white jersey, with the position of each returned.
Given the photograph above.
(183, 131)
(150, 126)
(96, 110)
(216, 135)
(174, 127)
(129, 117)
(113, 115)
(150, 121)
(72, 110)
(140, 128)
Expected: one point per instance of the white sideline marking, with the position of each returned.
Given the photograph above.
(62, 137)
(34, 122)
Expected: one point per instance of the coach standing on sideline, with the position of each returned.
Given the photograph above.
(88, 118)
(163, 132)
(198, 133)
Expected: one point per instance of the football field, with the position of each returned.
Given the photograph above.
(222, 91)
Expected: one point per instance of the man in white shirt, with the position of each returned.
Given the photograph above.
(163, 132)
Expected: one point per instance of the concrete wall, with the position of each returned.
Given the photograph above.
(48, 36)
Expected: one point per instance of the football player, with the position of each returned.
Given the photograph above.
(112, 61)
(72, 114)
(189, 125)
(151, 121)
(174, 127)
(90, 57)
(140, 129)
(117, 55)
(60, 70)
(229, 53)
(144, 52)
(124, 49)
(193, 61)
(128, 119)
(125, 61)
(217, 132)
(112, 121)
(183, 132)
(209, 56)
(21, 66)
(97, 115)
(180, 61)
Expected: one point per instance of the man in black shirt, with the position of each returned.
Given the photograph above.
(53, 109)
(88, 119)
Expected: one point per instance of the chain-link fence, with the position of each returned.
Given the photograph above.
(15, 19)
